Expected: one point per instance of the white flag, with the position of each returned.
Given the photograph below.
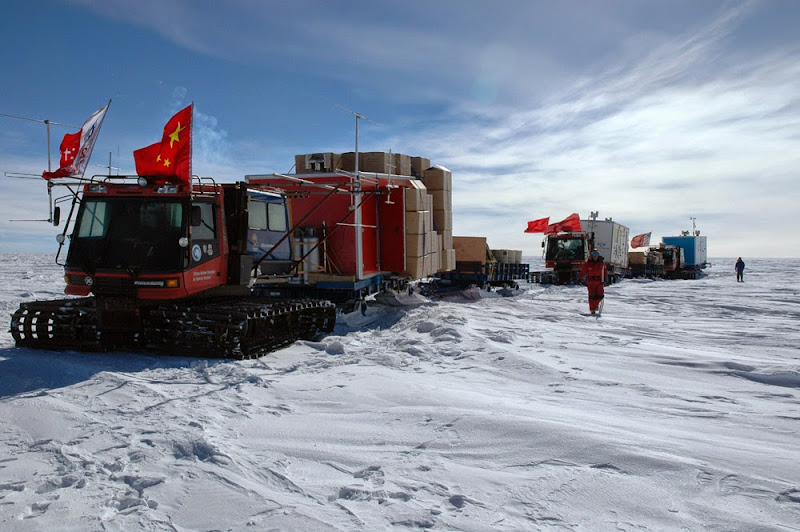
(89, 133)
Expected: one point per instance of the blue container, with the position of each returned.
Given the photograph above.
(694, 249)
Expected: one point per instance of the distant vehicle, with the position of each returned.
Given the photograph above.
(676, 257)
(693, 252)
(565, 253)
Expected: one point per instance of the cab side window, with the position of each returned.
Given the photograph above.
(257, 215)
(276, 214)
(207, 230)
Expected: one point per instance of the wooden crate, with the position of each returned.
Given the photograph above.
(470, 248)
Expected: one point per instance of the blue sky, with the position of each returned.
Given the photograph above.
(650, 112)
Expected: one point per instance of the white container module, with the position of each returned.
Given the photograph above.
(610, 239)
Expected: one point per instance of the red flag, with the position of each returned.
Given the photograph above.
(568, 224)
(77, 147)
(538, 226)
(640, 241)
(172, 157)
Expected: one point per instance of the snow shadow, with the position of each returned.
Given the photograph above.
(29, 370)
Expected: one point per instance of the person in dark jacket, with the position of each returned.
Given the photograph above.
(739, 267)
(595, 271)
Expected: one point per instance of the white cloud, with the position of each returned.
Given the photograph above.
(654, 130)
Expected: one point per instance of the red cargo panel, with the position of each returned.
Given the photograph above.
(383, 224)
(393, 230)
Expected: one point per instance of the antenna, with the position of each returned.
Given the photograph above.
(389, 185)
(109, 165)
(49, 164)
(593, 215)
(47, 123)
(358, 116)
(356, 200)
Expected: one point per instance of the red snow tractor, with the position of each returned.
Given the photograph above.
(167, 267)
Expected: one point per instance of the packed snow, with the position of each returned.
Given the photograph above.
(678, 409)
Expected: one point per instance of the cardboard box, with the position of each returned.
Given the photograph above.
(317, 162)
(434, 263)
(418, 222)
(377, 161)
(470, 248)
(415, 245)
(419, 165)
(415, 267)
(442, 200)
(429, 201)
(438, 178)
(419, 245)
(637, 257)
(420, 267)
(402, 164)
(448, 260)
(442, 220)
(300, 164)
(349, 161)
(447, 239)
(416, 196)
(434, 242)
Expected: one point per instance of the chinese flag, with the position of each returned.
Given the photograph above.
(568, 224)
(538, 226)
(641, 241)
(172, 157)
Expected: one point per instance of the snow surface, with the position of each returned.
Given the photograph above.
(678, 409)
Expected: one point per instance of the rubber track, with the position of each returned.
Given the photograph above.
(58, 324)
(236, 328)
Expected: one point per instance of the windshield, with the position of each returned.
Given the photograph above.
(137, 235)
(565, 249)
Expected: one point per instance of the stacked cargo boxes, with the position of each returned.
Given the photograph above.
(317, 162)
(428, 202)
(439, 181)
(419, 165)
(421, 239)
(477, 264)
(646, 264)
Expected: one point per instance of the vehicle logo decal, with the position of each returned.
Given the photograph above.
(197, 253)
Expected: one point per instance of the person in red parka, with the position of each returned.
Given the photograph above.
(595, 271)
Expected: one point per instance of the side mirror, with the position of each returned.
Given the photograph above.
(56, 216)
(197, 216)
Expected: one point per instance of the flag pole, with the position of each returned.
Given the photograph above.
(49, 184)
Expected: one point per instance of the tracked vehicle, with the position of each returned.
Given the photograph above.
(169, 267)
(566, 252)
